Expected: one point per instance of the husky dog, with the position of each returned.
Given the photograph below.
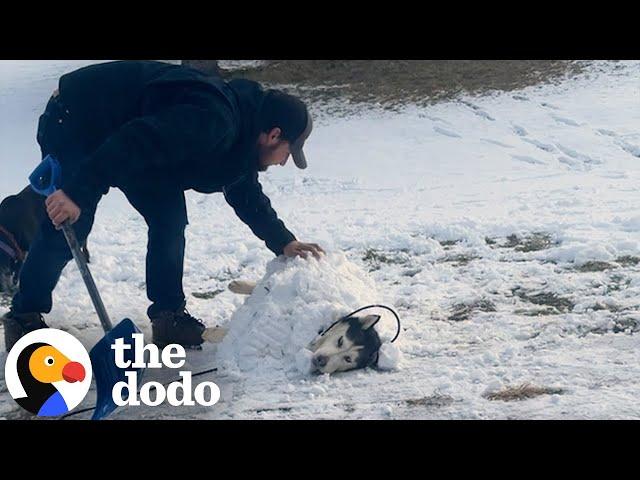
(350, 343)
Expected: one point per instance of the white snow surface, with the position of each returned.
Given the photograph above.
(431, 203)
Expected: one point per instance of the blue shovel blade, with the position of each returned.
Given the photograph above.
(105, 370)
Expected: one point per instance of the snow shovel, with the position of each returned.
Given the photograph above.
(44, 180)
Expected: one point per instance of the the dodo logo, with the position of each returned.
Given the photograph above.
(48, 372)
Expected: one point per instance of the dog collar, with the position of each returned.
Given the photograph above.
(11, 248)
(8, 250)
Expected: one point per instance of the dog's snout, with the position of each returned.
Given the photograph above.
(320, 361)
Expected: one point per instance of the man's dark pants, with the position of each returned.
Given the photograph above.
(163, 209)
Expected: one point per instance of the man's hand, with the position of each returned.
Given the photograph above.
(61, 208)
(299, 249)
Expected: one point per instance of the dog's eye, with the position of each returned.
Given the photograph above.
(340, 342)
(347, 359)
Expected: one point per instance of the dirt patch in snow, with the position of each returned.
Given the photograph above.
(394, 83)
(522, 392)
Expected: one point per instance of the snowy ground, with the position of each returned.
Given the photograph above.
(503, 228)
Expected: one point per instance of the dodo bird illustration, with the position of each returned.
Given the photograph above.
(39, 366)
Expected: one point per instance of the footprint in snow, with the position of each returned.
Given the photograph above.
(615, 174)
(577, 156)
(565, 121)
(520, 131)
(527, 159)
(496, 142)
(573, 164)
(629, 148)
(446, 132)
(608, 133)
(478, 111)
(437, 119)
(542, 146)
(549, 105)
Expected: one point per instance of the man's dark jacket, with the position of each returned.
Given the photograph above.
(151, 125)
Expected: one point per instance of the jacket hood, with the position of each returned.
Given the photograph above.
(249, 96)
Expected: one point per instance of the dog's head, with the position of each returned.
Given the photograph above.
(349, 344)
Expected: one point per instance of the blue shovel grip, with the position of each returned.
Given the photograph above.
(47, 176)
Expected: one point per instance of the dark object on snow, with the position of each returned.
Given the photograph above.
(177, 326)
(17, 326)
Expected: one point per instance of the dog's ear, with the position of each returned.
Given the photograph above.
(368, 321)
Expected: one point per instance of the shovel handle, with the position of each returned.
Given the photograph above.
(44, 180)
(72, 241)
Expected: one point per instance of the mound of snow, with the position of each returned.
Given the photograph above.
(389, 357)
(295, 301)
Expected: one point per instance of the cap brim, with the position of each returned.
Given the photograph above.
(299, 159)
(296, 151)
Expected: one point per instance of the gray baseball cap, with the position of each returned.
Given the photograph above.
(297, 153)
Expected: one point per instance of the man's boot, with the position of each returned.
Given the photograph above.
(176, 327)
(17, 325)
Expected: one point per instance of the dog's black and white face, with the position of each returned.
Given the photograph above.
(350, 344)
